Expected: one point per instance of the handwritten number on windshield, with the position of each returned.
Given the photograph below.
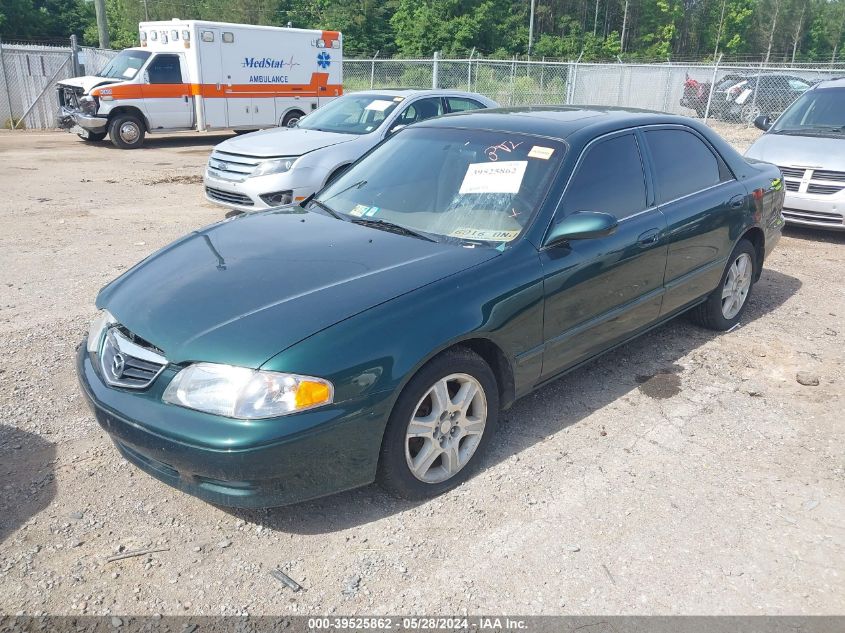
(505, 146)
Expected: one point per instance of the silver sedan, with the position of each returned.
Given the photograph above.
(281, 165)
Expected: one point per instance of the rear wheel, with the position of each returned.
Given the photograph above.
(126, 131)
(725, 305)
(92, 137)
(748, 113)
(292, 118)
(440, 426)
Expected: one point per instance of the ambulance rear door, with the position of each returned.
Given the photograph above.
(212, 81)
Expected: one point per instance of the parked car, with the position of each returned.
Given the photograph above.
(376, 331)
(740, 97)
(808, 142)
(275, 167)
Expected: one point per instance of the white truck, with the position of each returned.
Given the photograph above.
(196, 75)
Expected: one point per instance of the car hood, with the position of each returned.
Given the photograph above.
(88, 82)
(787, 150)
(283, 141)
(243, 290)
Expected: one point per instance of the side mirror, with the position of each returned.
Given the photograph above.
(583, 225)
(396, 128)
(763, 122)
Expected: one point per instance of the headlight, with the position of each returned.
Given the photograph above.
(275, 166)
(95, 332)
(239, 392)
(88, 104)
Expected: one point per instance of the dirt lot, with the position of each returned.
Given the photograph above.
(684, 473)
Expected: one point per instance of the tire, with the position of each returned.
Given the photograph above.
(126, 131)
(291, 118)
(748, 113)
(712, 314)
(337, 173)
(453, 371)
(92, 137)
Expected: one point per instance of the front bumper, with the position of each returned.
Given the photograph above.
(69, 119)
(238, 463)
(817, 211)
(245, 195)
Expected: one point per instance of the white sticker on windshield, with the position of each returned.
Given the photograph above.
(379, 105)
(503, 177)
(538, 151)
(487, 235)
(129, 73)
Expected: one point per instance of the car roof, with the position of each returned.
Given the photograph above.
(554, 121)
(838, 82)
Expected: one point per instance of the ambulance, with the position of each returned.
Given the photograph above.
(195, 75)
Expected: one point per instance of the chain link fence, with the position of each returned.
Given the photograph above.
(728, 92)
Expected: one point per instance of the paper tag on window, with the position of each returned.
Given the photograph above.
(501, 177)
(538, 151)
(129, 73)
(379, 105)
(487, 235)
(359, 210)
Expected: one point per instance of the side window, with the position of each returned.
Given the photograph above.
(421, 110)
(609, 179)
(797, 85)
(683, 164)
(461, 104)
(164, 69)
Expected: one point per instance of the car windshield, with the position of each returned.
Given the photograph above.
(352, 114)
(815, 112)
(125, 65)
(459, 185)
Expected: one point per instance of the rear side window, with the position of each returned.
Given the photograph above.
(164, 69)
(609, 179)
(461, 104)
(683, 164)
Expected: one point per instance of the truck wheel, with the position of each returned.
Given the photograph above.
(126, 131)
(291, 118)
(92, 137)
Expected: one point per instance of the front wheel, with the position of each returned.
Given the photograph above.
(725, 305)
(126, 131)
(748, 113)
(292, 118)
(440, 426)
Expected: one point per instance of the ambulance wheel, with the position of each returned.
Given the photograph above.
(92, 137)
(126, 131)
(292, 118)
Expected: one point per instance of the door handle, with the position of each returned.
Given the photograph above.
(736, 202)
(652, 236)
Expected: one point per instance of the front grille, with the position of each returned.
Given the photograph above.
(821, 217)
(792, 172)
(229, 197)
(792, 185)
(826, 190)
(129, 363)
(821, 174)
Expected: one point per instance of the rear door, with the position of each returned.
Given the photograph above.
(601, 291)
(701, 200)
(167, 93)
(211, 78)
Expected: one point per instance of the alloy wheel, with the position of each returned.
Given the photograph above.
(446, 428)
(736, 287)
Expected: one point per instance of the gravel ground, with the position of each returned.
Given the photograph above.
(685, 473)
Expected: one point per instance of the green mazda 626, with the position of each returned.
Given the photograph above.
(376, 331)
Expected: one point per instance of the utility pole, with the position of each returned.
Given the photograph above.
(624, 28)
(146, 12)
(531, 29)
(102, 22)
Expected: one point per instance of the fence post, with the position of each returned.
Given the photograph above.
(373, 70)
(513, 70)
(756, 88)
(469, 70)
(435, 70)
(542, 74)
(8, 87)
(712, 88)
(74, 55)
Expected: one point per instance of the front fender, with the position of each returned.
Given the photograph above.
(381, 348)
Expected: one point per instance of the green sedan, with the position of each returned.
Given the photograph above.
(376, 331)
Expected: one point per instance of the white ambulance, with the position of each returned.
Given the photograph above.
(194, 75)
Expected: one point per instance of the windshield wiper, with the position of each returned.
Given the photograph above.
(392, 227)
(326, 208)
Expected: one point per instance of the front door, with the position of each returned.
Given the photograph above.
(167, 93)
(701, 201)
(601, 291)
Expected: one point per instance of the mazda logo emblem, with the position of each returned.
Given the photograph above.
(117, 365)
